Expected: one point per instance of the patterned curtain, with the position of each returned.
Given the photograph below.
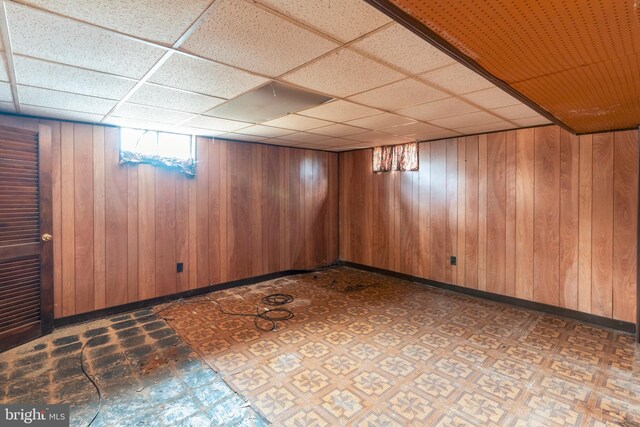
(402, 157)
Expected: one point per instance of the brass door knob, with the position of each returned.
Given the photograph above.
(46, 237)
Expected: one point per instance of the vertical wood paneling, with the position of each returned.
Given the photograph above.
(438, 210)
(496, 213)
(182, 231)
(510, 214)
(271, 210)
(452, 210)
(224, 191)
(546, 216)
(68, 217)
(165, 212)
(202, 212)
(482, 212)
(146, 231)
(214, 203)
(403, 221)
(525, 172)
(585, 201)
(83, 211)
(471, 211)
(99, 247)
(116, 223)
(132, 233)
(625, 214)
(462, 222)
(569, 215)
(56, 190)
(424, 227)
(257, 190)
(602, 226)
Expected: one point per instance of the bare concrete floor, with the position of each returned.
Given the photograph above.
(362, 349)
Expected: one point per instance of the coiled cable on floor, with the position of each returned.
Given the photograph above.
(265, 319)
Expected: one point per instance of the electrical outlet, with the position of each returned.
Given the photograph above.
(180, 267)
(454, 260)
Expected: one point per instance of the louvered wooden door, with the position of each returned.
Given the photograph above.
(26, 253)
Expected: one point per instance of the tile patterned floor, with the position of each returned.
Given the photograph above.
(369, 350)
(148, 376)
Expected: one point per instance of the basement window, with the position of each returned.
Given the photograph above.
(166, 149)
(403, 157)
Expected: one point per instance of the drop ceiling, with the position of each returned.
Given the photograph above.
(578, 60)
(174, 65)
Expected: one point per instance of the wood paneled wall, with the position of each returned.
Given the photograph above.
(537, 214)
(119, 230)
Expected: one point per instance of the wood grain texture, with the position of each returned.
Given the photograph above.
(529, 208)
(99, 246)
(451, 231)
(569, 217)
(585, 201)
(602, 226)
(67, 235)
(625, 214)
(525, 167)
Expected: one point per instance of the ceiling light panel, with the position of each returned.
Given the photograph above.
(49, 75)
(163, 21)
(246, 36)
(60, 114)
(343, 73)
(438, 109)
(206, 77)
(339, 130)
(340, 110)
(343, 19)
(215, 123)
(491, 98)
(63, 100)
(400, 94)
(457, 79)
(141, 112)
(297, 122)
(471, 119)
(267, 102)
(400, 47)
(42, 35)
(174, 99)
(381, 121)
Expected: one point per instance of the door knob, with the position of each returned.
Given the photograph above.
(46, 237)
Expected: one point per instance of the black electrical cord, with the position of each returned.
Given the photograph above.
(266, 316)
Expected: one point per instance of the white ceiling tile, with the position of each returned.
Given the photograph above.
(126, 122)
(399, 94)
(281, 142)
(142, 112)
(343, 73)
(7, 107)
(338, 130)
(266, 131)
(206, 77)
(381, 121)
(380, 138)
(457, 78)
(412, 130)
(175, 99)
(242, 137)
(158, 20)
(438, 109)
(532, 121)
(42, 35)
(491, 98)
(519, 111)
(4, 76)
(5, 92)
(296, 122)
(398, 46)
(340, 148)
(215, 123)
(241, 34)
(304, 137)
(49, 75)
(465, 120)
(488, 127)
(63, 100)
(60, 114)
(345, 19)
(430, 136)
(339, 111)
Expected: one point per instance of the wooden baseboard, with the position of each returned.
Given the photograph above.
(607, 322)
